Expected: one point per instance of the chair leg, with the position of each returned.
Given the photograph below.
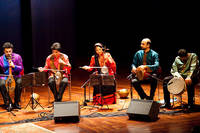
(69, 90)
(173, 100)
(49, 96)
(158, 92)
(24, 95)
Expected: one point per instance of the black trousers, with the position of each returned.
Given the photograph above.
(137, 85)
(5, 93)
(190, 90)
(58, 94)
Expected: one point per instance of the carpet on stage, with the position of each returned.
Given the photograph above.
(24, 128)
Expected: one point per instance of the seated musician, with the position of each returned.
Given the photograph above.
(146, 61)
(100, 59)
(11, 64)
(184, 67)
(58, 67)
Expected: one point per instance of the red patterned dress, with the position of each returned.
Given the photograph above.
(108, 92)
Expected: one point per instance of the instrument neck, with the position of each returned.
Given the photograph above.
(101, 59)
(10, 67)
(59, 63)
(54, 61)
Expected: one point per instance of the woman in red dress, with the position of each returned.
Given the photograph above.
(102, 59)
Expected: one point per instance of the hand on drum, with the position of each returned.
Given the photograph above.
(133, 70)
(142, 68)
(176, 74)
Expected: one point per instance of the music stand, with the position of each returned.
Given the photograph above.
(84, 86)
(100, 80)
(36, 79)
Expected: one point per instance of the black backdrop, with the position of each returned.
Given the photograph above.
(120, 25)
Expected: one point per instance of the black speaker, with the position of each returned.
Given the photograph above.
(67, 111)
(146, 110)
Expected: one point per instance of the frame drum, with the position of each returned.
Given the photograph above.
(176, 86)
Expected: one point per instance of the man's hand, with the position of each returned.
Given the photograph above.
(40, 69)
(62, 62)
(176, 74)
(143, 67)
(11, 64)
(133, 70)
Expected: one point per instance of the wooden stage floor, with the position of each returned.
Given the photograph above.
(174, 121)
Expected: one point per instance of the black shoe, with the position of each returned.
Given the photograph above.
(16, 106)
(4, 106)
(168, 106)
(148, 98)
(59, 99)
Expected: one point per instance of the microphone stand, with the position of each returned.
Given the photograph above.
(84, 86)
(129, 77)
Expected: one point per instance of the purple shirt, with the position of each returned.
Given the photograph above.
(17, 60)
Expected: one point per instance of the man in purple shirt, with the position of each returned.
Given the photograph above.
(12, 68)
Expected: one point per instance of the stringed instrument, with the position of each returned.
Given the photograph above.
(58, 75)
(104, 69)
(10, 81)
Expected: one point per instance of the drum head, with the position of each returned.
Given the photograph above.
(140, 74)
(176, 86)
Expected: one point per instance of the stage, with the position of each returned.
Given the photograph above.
(111, 118)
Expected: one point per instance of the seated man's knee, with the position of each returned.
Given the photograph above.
(2, 82)
(19, 81)
(51, 80)
(65, 80)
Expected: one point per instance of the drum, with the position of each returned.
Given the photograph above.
(176, 86)
(104, 70)
(141, 74)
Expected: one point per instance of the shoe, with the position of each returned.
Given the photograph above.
(148, 98)
(16, 106)
(168, 106)
(4, 106)
(59, 99)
